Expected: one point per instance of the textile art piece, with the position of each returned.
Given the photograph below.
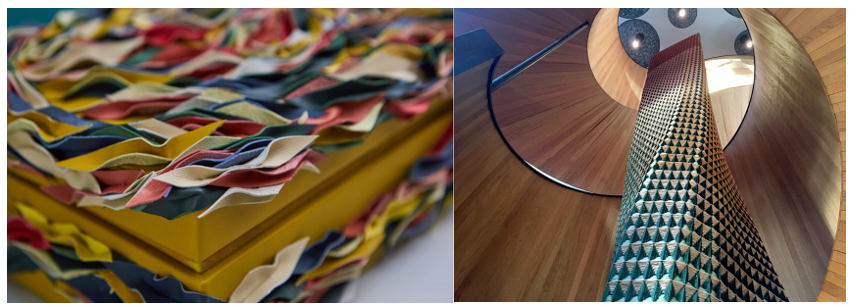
(86, 270)
(684, 233)
(223, 155)
(143, 109)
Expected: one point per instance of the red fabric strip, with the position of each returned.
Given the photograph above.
(237, 128)
(165, 34)
(154, 190)
(116, 181)
(123, 108)
(252, 178)
(18, 229)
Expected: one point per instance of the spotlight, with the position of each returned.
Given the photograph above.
(637, 40)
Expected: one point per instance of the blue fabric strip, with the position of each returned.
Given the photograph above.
(314, 255)
(154, 289)
(245, 153)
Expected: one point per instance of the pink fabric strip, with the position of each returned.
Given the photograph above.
(251, 178)
(348, 112)
(237, 128)
(122, 108)
(154, 190)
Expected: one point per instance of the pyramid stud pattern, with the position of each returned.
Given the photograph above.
(684, 233)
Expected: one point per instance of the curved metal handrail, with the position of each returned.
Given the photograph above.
(492, 85)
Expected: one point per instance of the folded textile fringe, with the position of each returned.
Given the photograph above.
(215, 104)
(303, 271)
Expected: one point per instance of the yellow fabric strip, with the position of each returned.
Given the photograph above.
(344, 55)
(55, 90)
(346, 248)
(49, 129)
(86, 247)
(38, 282)
(400, 208)
(338, 135)
(252, 112)
(118, 286)
(47, 264)
(135, 149)
(142, 90)
(365, 250)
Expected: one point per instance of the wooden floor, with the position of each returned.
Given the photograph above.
(555, 114)
(619, 76)
(521, 32)
(822, 34)
(520, 237)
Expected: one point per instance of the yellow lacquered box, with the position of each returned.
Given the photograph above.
(212, 254)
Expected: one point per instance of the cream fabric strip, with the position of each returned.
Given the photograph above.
(202, 60)
(279, 151)
(158, 128)
(206, 99)
(24, 124)
(137, 152)
(203, 22)
(144, 90)
(146, 159)
(252, 112)
(346, 248)
(246, 196)
(243, 196)
(33, 52)
(27, 91)
(261, 280)
(254, 65)
(209, 142)
(27, 147)
(386, 65)
(367, 123)
(116, 201)
(107, 54)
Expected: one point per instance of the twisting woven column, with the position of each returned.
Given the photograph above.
(683, 232)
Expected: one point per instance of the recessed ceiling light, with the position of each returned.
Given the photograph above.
(681, 13)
